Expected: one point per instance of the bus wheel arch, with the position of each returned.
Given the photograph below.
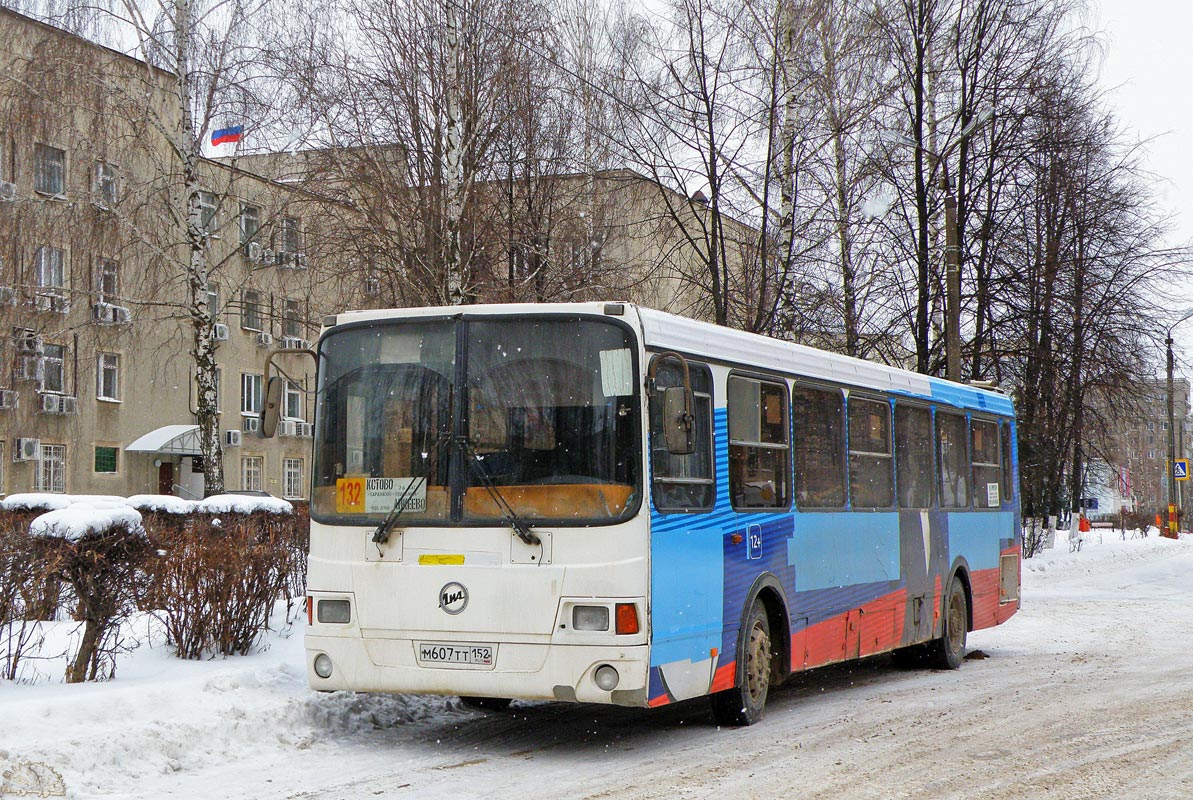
(765, 610)
(960, 572)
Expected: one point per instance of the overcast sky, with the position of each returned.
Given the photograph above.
(1148, 70)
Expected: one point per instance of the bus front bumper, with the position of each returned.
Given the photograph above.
(520, 670)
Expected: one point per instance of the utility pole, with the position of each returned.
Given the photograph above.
(952, 276)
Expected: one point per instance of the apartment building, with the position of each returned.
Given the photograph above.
(96, 373)
(96, 376)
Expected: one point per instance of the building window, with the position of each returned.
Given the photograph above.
(250, 393)
(250, 312)
(252, 471)
(107, 376)
(105, 459)
(292, 405)
(213, 300)
(292, 480)
(50, 475)
(50, 266)
(49, 170)
(208, 212)
(292, 319)
(250, 222)
(107, 280)
(105, 184)
(290, 242)
(54, 368)
(758, 449)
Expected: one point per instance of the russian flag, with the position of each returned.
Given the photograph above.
(226, 136)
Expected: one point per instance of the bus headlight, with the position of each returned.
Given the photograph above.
(606, 677)
(590, 618)
(323, 665)
(335, 611)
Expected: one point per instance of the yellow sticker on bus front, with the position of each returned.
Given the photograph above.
(350, 495)
(440, 559)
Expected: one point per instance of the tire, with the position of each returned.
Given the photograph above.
(486, 703)
(948, 651)
(744, 703)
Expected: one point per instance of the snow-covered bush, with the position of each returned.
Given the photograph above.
(97, 550)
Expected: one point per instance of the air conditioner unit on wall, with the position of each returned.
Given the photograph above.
(267, 256)
(9, 398)
(69, 405)
(121, 315)
(251, 424)
(253, 251)
(305, 430)
(102, 312)
(8, 296)
(220, 333)
(8, 191)
(232, 438)
(26, 450)
(287, 427)
(295, 343)
(49, 403)
(264, 339)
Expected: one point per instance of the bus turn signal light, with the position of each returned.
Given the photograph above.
(627, 618)
(310, 610)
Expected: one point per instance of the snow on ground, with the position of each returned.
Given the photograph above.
(1081, 694)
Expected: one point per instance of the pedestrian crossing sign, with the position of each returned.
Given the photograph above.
(1180, 469)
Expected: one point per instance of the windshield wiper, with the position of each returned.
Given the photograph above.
(511, 517)
(381, 534)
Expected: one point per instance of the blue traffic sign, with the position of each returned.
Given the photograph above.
(1180, 469)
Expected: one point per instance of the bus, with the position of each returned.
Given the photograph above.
(604, 503)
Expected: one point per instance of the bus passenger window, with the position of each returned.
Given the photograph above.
(758, 447)
(871, 484)
(913, 456)
(953, 459)
(683, 483)
(1008, 476)
(818, 445)
(984, 449)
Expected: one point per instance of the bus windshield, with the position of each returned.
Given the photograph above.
(540, 415)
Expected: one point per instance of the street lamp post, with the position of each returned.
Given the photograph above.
(1174, 500)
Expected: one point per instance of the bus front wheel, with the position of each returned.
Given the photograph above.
(744, 703)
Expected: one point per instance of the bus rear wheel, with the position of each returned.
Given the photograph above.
(744, 703)
(486, 703)
(948, 651)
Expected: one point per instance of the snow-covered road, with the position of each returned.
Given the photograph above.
(1086, 693)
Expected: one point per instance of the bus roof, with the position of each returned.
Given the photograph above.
(663, 331)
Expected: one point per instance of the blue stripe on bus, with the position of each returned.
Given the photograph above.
(970, 535)
(842, 549)
(972, 399)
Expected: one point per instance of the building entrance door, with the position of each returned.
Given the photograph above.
(165, 478)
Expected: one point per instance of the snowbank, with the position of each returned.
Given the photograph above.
(167, 503)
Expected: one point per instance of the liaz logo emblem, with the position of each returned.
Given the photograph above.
(453, 598)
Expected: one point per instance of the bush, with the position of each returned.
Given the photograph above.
(102, 568)
(215, 581)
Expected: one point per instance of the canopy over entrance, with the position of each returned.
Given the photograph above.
(179, 440)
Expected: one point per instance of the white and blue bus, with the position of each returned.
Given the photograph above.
(602, 503)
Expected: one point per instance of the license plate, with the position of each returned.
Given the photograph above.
(456, 654)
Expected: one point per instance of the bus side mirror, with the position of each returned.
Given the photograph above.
(271, 411)
(679, 430)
